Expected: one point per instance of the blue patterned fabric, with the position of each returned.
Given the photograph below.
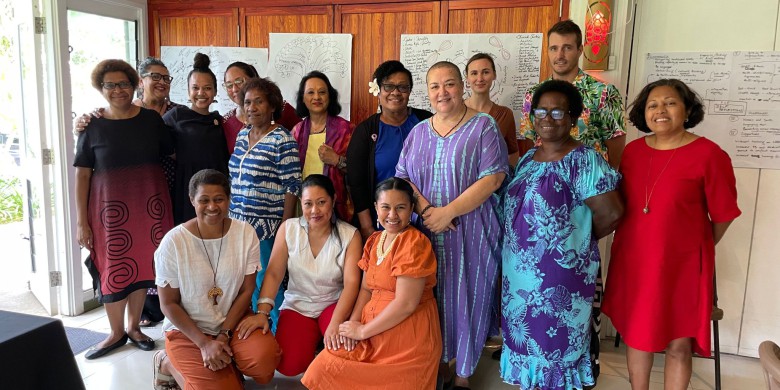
(550, 259)
(260, 176)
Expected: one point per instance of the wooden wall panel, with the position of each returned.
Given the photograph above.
(201, 27)
(376, 31)
(257, 23)
(530, 18)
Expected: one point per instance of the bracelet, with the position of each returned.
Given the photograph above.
(267, 301)
(425, 209)
(265, 313)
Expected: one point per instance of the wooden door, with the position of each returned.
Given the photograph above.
(501, 16)
(257, 23)
(194, 27)
(376, 31)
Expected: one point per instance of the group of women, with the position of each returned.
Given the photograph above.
(407, 224)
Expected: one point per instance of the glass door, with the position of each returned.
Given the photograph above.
(37, 153)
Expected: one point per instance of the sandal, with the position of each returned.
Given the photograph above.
(162, 381)
(145, 323)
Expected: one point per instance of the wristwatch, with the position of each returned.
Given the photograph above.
(226, 332)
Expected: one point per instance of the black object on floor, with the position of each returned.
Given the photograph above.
(81, 339)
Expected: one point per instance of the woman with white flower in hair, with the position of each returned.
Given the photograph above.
(376, 143)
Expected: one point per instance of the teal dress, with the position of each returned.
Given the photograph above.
(550, 259)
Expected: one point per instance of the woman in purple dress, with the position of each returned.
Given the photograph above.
(456, 160)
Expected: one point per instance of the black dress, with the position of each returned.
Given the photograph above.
(200, 144)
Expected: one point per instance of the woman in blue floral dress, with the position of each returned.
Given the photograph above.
(561, 200)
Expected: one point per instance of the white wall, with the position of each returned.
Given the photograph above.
(748, 269)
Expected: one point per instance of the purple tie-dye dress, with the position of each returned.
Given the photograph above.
(442, 169)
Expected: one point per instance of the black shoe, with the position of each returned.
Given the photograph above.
(144, 345)
(95, 353)
(496, 354)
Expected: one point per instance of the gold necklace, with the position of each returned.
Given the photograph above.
(215, 292)
(380, 255)
(650, 165)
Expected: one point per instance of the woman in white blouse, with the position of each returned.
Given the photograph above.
(205, 276)
(321, 253)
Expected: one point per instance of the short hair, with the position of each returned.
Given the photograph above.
(148, 62)
(395, 183)
(566, 27)
(445, 64)
(208, 177)
(322, 181)
(334, 107)
(480, 56)
(389, 68)
(267, 88)
(249, 70)
(573, 97)
(107, 66)
(690, 98)
(201, 65)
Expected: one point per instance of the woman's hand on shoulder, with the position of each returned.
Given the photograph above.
(250, 323)
(81, 122)
(352, 330)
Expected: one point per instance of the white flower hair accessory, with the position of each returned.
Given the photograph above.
(373, 87)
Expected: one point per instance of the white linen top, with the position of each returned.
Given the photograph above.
(181, 263)
(315, 283)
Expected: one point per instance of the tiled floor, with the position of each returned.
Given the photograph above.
(131, 368)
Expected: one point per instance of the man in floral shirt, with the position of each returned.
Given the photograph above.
(600, 126)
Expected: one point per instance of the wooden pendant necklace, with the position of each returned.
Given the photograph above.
(215, 292)
(646, 209)
(465, 110)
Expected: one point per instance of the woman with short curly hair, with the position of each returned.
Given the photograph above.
(122, 200)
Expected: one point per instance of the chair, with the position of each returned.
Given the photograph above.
(769, 355)
(717, 315)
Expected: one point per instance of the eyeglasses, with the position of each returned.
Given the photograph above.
(403, 88)
(157, 77)
(122, 84)
(541, 113)
(237, 82)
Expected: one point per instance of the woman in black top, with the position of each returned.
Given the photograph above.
(376, 143)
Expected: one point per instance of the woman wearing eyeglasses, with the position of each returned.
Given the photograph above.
(236, 75)
(561, 200)
(323, 136)
(153, 94)
(122, 203)
(377, 142)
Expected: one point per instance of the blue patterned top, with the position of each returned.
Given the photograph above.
(260, 176)
(550, 261)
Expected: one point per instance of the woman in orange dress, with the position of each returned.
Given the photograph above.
(394, 336)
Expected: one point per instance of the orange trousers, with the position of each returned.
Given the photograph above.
(256, 357)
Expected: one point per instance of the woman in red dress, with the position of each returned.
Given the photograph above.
(680, 195)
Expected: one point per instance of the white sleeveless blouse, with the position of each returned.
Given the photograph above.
(315, 283)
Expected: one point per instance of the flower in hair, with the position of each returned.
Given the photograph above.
(373, 88)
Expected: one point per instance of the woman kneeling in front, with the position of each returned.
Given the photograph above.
(205, 276)
(395, 321)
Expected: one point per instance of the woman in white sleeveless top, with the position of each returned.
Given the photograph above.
(321, 253)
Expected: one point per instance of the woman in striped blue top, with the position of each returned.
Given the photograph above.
(265, 173)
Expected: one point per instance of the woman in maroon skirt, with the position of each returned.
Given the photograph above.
(122, 201)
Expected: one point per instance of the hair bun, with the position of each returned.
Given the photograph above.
(202, 61)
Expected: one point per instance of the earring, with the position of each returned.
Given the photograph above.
(272, 122)
(379, 109)
(377, 224)
(686, 120)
